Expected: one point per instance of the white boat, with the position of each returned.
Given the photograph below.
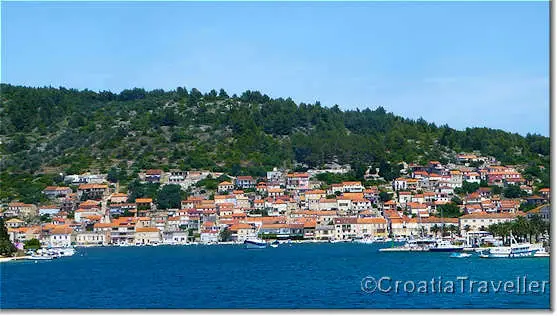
(62, 252)
(445, 246)
(334, 241)
(274, 244)
(460, 255)
(539, 250)
(364, 241)
(417, 245)
(41, 257)
(515, 250)
(255, 243)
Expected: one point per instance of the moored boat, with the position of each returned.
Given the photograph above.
(364, 241)
(41, 257)
(515, 250)
(539, 250)
(255, 243)
(445, 246)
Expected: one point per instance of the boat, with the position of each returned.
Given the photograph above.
(274, 244)
(515, 250)
(445, 246)
(255, 243)
(334, 241)
(539, 250)
(417, 245)
(61, 252)
(364, 241)
(460, 255)
(41, 257)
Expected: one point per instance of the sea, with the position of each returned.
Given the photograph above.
(293, 276)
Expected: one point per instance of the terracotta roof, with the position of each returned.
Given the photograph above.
(147, 230)
(87, 186)
(298, 175)
(153, 172)
(491, 215)
(371, 220)
(61, 230)
(235, 227)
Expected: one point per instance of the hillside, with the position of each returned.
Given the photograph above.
(51, 130)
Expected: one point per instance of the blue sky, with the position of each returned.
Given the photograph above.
(464, 64)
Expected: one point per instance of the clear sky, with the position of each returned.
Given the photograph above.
(465, 64)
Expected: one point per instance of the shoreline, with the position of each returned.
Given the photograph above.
(8, 259)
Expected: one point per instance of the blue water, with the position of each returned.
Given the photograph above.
(296, 276)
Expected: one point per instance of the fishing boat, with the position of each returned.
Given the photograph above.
(460, 255)
(445, 246)
(255, 243)
(515, 250)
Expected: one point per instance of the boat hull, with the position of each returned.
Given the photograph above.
(454, 249)
(250, 244)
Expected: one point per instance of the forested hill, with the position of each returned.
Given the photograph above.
(66, 130)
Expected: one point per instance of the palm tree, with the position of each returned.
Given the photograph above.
(521, 227)
(435, 229)
(494, 229)
(537, 226)
(453, 229)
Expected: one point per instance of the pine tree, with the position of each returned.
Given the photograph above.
(6, 246)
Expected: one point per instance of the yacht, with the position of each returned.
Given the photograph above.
(364, 241)
(422, 244)
(539, 250)
(445, 246)
(515, 250)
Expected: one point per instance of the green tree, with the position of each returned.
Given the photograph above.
(513, 192)
(7, 248)
(467, 187)
(170, 196)
(112, 175)
(449, 210)
(32, 244)
(384, 196)
(225, 234)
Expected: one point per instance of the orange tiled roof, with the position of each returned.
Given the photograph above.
(371, 220)
(86, 186)
(147, 230)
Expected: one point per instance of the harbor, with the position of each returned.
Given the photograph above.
(287, 272)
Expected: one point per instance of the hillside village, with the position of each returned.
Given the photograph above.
(455, 199)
